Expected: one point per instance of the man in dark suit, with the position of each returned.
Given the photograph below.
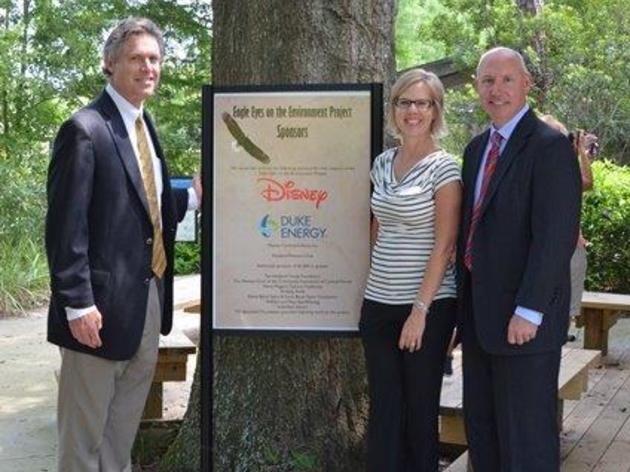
(519, 228)
(110, 231)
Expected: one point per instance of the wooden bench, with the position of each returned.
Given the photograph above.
(599, 313)
(171, 366)
(572, 382)
(193, 307)
(174, 348)
(186, 292)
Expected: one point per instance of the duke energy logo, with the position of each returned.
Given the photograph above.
(291, 227)
(267, 226)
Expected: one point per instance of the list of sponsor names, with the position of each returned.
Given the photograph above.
(293, 288)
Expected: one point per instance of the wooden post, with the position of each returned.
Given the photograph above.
(153, 407)
(452, 430)
(594, 329)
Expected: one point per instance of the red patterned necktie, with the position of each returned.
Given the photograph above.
(488, 171)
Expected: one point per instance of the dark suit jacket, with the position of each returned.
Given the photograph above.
(99, 233)
(524, 238)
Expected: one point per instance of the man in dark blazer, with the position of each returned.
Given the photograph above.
(110, 232)
(519, 228)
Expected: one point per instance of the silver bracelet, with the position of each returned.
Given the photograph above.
(420, 305)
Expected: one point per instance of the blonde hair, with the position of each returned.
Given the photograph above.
(436, 90)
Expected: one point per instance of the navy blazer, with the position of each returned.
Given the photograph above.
(99, 232)
(524, 238)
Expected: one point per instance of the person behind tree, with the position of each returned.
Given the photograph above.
(585, 145)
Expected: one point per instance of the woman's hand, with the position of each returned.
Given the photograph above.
(413, 329)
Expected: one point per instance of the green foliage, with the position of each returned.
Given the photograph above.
(577, 52)
(303, 461)
(23, 268)
(272, 457)
(187, 258)
(152, 441)
(606, 225)
(24, 275)
(464, 116)
(412, 48)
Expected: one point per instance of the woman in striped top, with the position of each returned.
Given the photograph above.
(409, 309)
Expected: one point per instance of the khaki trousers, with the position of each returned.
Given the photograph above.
(101, 401)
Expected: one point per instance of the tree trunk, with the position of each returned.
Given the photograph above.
(294, 403)
(533, 7)
(20, 89)
(183, 455)
(5, 101)
(539, 68)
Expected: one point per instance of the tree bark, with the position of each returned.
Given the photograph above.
(5, 101)
(24, 60)
(533, 7)
(184, 455)
(291, 403)
(539, 69)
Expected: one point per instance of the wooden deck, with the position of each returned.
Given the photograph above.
(596, 435)
(575, 366)
(596, 428)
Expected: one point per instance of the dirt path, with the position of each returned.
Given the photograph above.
(27, 395)
(28, 392)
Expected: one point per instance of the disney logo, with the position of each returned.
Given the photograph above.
(275, 191)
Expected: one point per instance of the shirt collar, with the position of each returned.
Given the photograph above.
(508, 128)
(129, 112)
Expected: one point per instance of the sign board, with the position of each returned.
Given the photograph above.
(290, 194)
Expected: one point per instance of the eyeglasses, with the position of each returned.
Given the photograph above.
(422, 104)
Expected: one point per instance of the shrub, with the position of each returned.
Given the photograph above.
(23, 267)
(24, 275)
(606, 225)
(187, 258)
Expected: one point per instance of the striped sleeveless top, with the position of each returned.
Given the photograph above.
(405, 212)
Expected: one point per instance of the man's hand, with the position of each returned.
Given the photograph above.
(413, 329)
(85, 329)
(520, 331)
(197, 187)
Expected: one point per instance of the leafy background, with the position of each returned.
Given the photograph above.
(50, 66)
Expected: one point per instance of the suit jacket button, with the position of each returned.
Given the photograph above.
(146, 281)
(149, 241)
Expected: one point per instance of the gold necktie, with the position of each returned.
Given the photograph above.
(158, 261)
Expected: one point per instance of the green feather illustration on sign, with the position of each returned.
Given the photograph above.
(243, 140)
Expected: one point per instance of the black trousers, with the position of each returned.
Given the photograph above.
(510, 406)
(404, 387)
